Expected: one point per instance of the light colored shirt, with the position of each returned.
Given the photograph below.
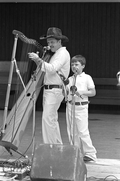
(83, 82)
(59, 62)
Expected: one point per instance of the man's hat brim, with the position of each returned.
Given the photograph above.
(64, 38)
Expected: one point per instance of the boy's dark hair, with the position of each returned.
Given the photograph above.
(79, 58)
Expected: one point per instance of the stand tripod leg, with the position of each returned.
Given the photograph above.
(18, 72)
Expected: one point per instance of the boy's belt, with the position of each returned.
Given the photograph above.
(53, 86)
(79, 103)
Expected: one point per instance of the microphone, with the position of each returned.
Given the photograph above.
(75, 71)
(45, 48)
(73, 89)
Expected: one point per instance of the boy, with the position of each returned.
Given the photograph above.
(80, 87)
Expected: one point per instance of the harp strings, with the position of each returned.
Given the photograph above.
(25, 66)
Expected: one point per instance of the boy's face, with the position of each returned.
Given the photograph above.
(77, 67)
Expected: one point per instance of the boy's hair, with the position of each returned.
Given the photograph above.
(79, 58)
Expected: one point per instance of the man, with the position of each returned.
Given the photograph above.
(59, 64)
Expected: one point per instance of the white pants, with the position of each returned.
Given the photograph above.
(81, 131)
(52, 99)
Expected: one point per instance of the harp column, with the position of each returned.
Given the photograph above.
(9, 85)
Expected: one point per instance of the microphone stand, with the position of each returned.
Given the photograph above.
(34, 99)
(73, 89)
(34, 109)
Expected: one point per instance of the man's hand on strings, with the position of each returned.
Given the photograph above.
(35, 57)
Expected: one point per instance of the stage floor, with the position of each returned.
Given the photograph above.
(105, 134)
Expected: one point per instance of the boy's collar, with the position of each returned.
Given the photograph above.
(81, 74)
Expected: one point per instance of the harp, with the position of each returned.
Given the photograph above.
(14, 122)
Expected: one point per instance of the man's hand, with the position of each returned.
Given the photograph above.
(35, 58)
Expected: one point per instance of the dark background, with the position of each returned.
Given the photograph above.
(93, 29)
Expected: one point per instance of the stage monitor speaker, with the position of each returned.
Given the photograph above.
(57, 162)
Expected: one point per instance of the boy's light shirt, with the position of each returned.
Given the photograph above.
(83, 83)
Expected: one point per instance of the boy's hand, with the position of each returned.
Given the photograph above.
(79, 94)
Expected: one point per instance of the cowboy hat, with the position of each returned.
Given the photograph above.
(54, 33)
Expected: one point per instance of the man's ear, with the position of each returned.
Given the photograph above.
(60, 41)
(83, 66)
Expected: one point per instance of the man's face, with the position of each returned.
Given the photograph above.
(77, 67)
(54, 44)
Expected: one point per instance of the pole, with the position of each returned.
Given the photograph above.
(9, 86)
(34, 100)
(34, 107)
(73, 89)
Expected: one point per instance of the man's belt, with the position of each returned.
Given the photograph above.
(79, 103)
(53, 86)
